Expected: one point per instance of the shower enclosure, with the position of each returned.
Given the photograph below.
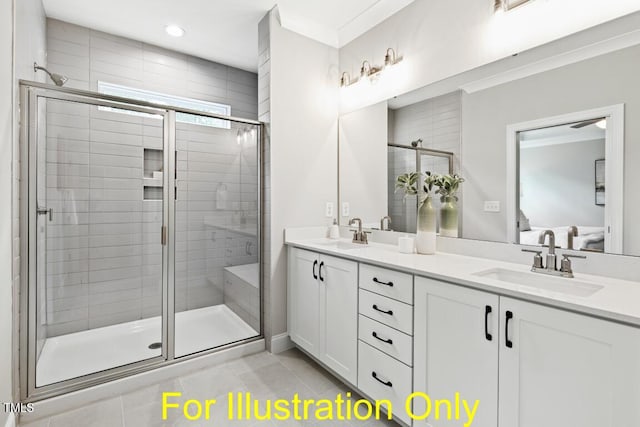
(405, 159)
(141, 238)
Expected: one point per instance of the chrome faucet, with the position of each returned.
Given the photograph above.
(359, 236)
(572, 232)
(565, 265)
(388, 218)
(551, 256)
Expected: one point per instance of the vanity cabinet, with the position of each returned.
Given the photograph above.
(323, 309)
(527, 364)
(566, 369)
(385, 348)
(456, 349)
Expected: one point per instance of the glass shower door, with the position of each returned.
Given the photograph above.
(217, 286)
(97, 209)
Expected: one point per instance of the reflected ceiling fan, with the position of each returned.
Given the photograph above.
(601, 122)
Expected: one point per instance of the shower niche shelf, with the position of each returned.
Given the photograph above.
(153, 175)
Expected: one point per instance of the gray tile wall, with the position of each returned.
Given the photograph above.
(213, 230)
(86, 56)
(437, 121)
(104, 254)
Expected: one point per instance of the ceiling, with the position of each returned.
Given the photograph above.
(224, 31)
(564, 134)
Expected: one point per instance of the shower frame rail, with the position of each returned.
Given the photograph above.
(27, 328)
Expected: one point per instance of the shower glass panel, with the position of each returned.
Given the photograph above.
(98, 205)
(401, 160)
(217, 292)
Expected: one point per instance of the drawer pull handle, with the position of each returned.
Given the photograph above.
(507, 341)
(487, 311)
(390, 284)
(390, 312)
(388, 341)
(315, 264)
(375, 376)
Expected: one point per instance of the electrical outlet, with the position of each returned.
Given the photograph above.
(329, 210)
(492, 206)
(345, 209)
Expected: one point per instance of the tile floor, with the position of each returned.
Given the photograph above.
(265, 375)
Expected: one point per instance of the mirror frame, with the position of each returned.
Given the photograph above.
(614, 173)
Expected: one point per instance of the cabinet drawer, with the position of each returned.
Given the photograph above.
(385, 310)
(393, 379)
(392, 342)
(392, 284)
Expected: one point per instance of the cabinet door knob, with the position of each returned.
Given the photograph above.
(315, 264)
(375, 335)
(320, 271)
(487, 311)
(375, 307)
(507, 341)
(390, 284)
(387, 383)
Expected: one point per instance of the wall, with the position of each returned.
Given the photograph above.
(441, 38)
(86, 56)
(557, 184)
(105, 258)
(6, 237)
(302, 110)
(363, 164)
(29, 38)
(581, 86)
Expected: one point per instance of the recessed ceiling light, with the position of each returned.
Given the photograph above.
(174, 30)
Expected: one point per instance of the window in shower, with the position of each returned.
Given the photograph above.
(170, 100)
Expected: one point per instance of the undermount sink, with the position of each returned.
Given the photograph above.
(339, 244)
(541, 281)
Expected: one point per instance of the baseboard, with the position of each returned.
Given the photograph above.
(11, 420)
(280, 343)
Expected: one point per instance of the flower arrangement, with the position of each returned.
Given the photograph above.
(448, 186)
(408, 183)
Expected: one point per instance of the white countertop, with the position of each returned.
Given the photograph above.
(618, 300)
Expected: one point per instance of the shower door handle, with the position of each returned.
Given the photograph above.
(45, 211)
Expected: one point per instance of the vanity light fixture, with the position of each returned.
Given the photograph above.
(368, 72)
(345, 79)
(245, 135)
(506, 5)
(390, 58)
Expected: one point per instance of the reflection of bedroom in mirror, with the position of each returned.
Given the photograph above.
(556, 184)
(551, 174)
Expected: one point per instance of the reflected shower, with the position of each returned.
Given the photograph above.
(58, 79)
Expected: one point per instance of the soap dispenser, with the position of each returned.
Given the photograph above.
(334, 230)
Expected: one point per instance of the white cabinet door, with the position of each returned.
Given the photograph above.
(339, 315)
(304, 296)
(560, 369)
(456, 351)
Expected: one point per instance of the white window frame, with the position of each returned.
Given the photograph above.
(170, 101)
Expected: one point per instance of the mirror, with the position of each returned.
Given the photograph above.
(558, 142)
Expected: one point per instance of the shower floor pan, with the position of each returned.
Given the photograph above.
(81, 353)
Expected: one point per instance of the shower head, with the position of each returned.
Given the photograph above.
(416, 143)
(58, 79)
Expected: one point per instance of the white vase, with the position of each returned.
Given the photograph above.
(426, 230)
